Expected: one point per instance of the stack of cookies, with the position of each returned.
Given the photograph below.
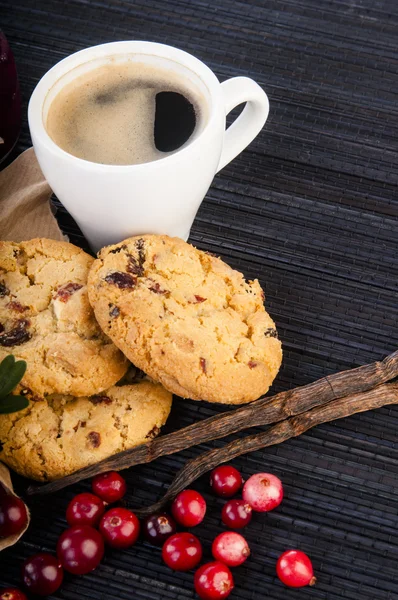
(184, 317)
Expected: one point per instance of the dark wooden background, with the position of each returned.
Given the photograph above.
(310, 208)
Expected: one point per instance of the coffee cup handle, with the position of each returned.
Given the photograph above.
(249, 123)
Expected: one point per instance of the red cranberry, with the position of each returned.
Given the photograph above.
(12, 594)
(263, 492)
(294, 569)
(110, 486)
(236, 514)
(120, 528)
(158, 528)
(85, 509)
(13, 515)
(230, 548)
(182, 552)
(80, 549)
(226, 481)
(189, 508)
(42, 574)
(213, 581)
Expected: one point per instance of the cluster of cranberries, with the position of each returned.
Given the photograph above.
(81, 547)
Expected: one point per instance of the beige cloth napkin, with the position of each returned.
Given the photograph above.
(25, 210)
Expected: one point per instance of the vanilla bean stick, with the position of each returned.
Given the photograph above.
(264, 411)
(289, 428)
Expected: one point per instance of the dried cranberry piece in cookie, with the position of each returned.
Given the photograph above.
(17, 306)
(4, 291)
(17, 335)
(155, 287)
(121, 280)
(118, 249)
(136, 265)
(199, 299)
(114, 311)
(153, 433)
(271, 332)
(64, 292)
(94, 439)
(30, 395)
(98, 399)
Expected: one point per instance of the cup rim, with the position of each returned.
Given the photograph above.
(50, 78)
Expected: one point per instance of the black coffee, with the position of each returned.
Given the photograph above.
(175, 121)
(125, 113)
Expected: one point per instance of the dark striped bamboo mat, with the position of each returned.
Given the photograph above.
(310, 208)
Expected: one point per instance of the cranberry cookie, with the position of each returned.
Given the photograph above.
(46, 319)
(186, 318)
(54, 437)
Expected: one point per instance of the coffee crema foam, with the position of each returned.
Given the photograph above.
(107, 115)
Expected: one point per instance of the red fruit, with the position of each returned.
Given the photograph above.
(158, 528)
(294, 569)
(13, 515)
(182, 552)
(80, 549)
(85, 509)
(236, 514)
(42, 574)
(110, 486)
(213, 581)
(230, 548)
(263, 491)
(189, 508)
(226, 481)
(120, 528)
(12, 594)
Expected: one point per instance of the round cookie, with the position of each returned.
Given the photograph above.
(186, 318)
(54, 437)
(46, 319)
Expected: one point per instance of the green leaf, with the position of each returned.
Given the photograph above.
(5, 367)
(14, 376)
(11, 404)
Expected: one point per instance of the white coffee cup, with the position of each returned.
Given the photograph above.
(113, 202)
